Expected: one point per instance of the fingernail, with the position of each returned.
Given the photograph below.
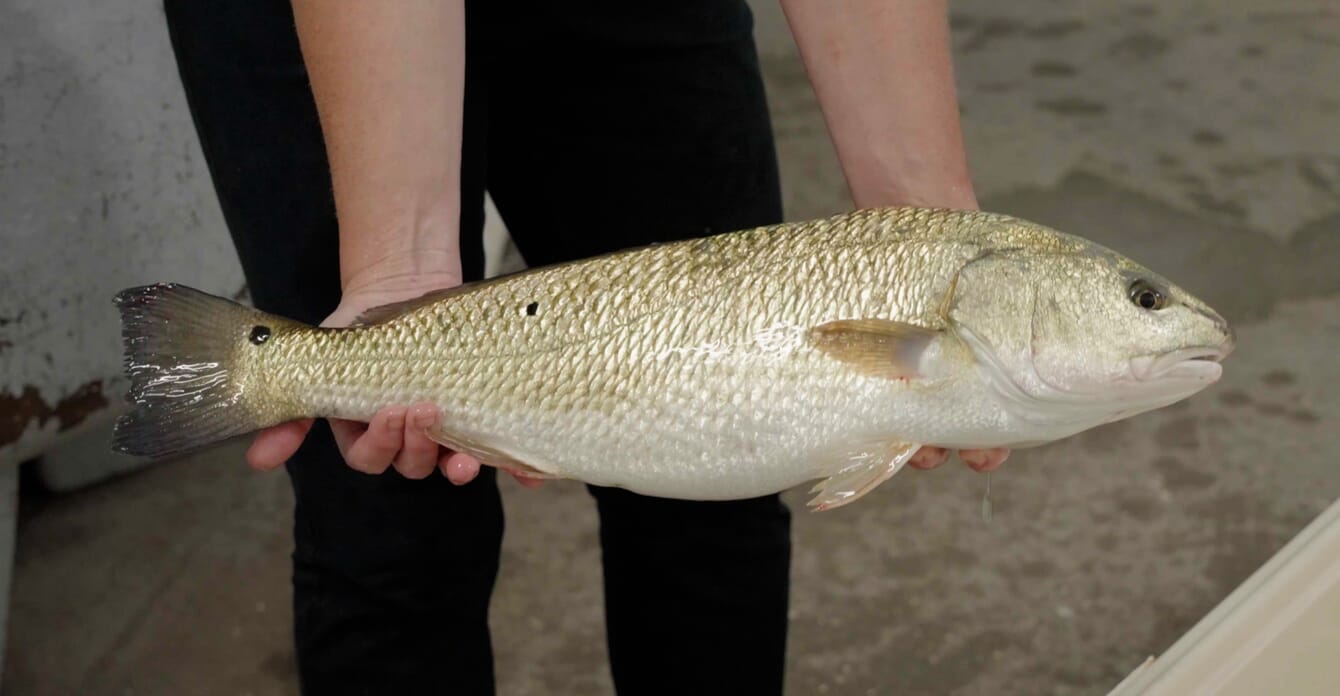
(424, 416)
(984, 464)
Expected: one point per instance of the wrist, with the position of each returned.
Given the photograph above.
(957, 195)
(416, 249)
(926, 180)
(395, 278)
(404, 273)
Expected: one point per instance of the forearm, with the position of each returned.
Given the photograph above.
(388, 79)
(884, 77)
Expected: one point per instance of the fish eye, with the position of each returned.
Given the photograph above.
(259, 334)
(1146, 296)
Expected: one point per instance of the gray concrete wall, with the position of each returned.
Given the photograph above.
(102, 186)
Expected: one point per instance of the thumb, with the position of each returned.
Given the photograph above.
(273, 446)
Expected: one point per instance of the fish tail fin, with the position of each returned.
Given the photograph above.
(186, 355)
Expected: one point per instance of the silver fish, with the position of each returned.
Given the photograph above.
(725, 367)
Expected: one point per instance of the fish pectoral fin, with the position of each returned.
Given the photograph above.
(490, 456)
(876, 347)
(866, 467)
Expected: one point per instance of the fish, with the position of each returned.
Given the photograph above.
(722, 367)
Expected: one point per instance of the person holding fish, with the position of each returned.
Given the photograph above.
(595, 127)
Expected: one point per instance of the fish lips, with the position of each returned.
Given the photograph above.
(1198, 364)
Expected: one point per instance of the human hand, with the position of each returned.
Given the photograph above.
(397, 436)
(981, 460)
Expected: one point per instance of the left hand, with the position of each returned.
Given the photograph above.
(981, 460)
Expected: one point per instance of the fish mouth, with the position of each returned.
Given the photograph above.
(1199, 364)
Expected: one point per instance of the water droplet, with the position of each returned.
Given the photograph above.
(986, 500)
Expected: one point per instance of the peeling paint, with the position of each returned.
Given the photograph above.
(18, 412)
(98, 151)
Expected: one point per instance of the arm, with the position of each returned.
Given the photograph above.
(885, 81)
(389, 80)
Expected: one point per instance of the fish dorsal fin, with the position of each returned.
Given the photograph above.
(384, 313)
(877, 347)
(859, 470)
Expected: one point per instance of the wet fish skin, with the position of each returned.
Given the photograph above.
(725, 367)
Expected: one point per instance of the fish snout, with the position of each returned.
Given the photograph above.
(1230, 342)
(1227, 338)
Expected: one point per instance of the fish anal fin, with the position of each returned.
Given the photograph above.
(876, 347)
(490, 456)
(866, 466)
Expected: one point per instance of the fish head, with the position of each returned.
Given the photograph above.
(1075, 332)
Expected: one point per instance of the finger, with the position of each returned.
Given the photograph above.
(346, 432)
(418, 455)
(530, 482)
(984, 460)
(374, 450)
(273, 446)
(928, 458)
(459, 467)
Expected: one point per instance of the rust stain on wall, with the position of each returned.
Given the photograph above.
(17, 411)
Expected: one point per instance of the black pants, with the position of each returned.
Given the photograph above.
(595, 126)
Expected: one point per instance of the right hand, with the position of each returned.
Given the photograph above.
(979, 460)
(397, 435)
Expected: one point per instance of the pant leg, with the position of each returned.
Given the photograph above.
(391, 577)
(615, 125)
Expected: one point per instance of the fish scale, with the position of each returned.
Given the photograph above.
(593, 348)
(715, 368)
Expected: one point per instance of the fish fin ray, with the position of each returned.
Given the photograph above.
(876, 347)
(384, 313)
(490, 456)
(865, 467)
(185, 354)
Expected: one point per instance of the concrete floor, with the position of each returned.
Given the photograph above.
(1199, 139)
